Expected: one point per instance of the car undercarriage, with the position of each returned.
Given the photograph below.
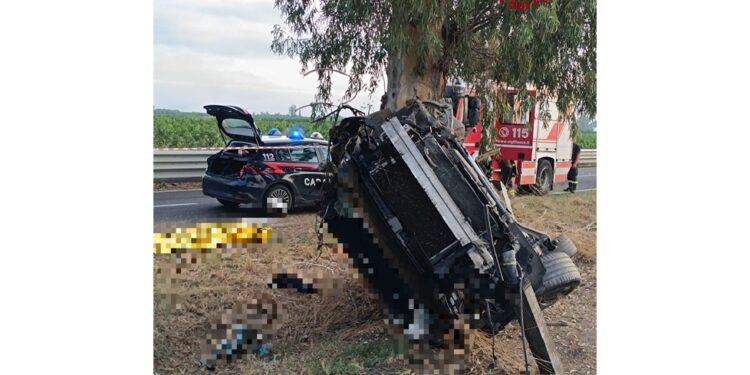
(430, 235)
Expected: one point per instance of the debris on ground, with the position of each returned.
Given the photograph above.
(247, 328)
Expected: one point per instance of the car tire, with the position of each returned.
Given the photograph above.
(561, 278)
(545, 178)
(565, 245)
(279, 191)
(228, 204)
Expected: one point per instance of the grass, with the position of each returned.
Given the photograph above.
(586, 140)
(354, 359)
(338, 332)
(572, 214)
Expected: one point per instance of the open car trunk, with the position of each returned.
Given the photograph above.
(227, 164)
(239, 126)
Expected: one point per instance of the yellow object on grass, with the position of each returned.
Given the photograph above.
(211, 236)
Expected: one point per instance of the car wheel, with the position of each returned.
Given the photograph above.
(563, 244)
(561, 278)
(276, 195)
(544, 178)
(228, 204)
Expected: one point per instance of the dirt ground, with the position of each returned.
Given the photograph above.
(344, 332)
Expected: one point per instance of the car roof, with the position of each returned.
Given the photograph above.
(282, 140)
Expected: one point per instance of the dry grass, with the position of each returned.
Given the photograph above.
(330, 333)
(571, 214)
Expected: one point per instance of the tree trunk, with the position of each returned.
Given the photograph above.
(403, 84)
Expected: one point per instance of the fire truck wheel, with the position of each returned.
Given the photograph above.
(561, 278)
(544, 178)
(563, 244)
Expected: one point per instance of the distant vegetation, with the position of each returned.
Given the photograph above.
(586, 139)
(190, 129)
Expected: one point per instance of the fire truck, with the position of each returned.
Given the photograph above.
(541, 155)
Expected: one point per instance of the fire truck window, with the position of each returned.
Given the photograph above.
(516, 116)
(508, 116)
(465, 114)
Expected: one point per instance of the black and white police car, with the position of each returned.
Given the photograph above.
(274, 172)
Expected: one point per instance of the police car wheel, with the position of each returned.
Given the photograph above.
(279, 192)
(229, 204)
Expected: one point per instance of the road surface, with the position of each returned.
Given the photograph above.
(187, 207)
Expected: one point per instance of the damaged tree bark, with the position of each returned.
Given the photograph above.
(403, 84)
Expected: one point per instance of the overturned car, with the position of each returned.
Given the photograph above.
(422, 224)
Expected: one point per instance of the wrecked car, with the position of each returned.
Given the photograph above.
(274, 172)
(430, 235)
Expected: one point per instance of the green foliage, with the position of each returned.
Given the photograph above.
(485, 42)
(180, 129)
(586, 139)
(357, 358)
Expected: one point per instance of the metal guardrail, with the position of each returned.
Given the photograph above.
(180, 165)
(190, 165)
(588, 158)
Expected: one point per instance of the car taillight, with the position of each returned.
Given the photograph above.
(248, 169)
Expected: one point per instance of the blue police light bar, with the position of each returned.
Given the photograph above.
(274, 132)
(297, 134)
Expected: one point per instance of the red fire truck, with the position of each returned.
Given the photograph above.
(541, 155)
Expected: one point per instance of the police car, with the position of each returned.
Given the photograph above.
(274, 171)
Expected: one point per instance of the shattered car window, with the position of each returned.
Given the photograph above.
(304, 155)
(283, 154)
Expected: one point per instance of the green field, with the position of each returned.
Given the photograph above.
(181, 129)
(586, 139)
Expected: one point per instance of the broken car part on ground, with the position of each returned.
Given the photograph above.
(422, 224)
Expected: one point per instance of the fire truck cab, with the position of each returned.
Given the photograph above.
(541, 155)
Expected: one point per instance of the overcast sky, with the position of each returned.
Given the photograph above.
(218, 52)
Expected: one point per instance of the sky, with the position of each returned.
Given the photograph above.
(219, 52)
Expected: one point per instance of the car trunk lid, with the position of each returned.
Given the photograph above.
(235, 123)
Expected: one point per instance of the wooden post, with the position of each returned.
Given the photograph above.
(537, 334)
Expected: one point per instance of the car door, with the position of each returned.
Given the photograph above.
(301, 167)
(308, 175)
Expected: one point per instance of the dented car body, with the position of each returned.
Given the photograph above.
(423, 225)
(275, 172)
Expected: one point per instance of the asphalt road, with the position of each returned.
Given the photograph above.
(187, 207)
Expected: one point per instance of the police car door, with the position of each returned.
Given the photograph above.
(307, 176)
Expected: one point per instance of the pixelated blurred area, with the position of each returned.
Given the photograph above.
(183, 247)
(211, 236)
(339, 328)
(248, 328)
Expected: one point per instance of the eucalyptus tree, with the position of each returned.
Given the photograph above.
(413, 46)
